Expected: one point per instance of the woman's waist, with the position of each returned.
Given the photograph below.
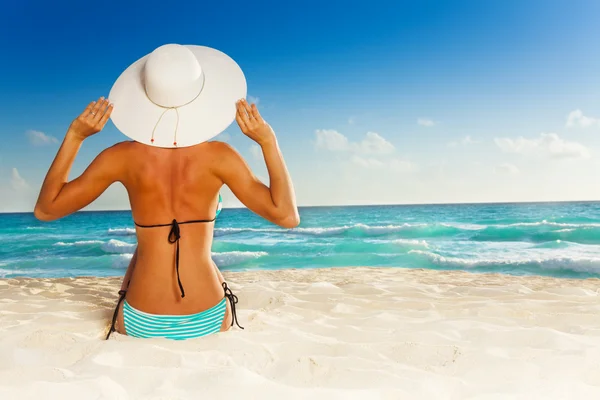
(156, 288)
(150, 251)
(161, 300)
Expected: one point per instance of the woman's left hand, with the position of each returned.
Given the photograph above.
(92, 120)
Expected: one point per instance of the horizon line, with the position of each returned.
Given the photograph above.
(369, 205)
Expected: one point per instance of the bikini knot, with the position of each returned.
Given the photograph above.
(233, 300)
(174, 234)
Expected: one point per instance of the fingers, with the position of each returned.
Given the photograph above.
(241, 117)
(240, 122)
(241, 109)
(255, 113)
(88, 109)
(101, 110)
(106, 115)
(96, 109)
(247, 109)
(92, 120)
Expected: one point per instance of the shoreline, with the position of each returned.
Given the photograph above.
(337, 333)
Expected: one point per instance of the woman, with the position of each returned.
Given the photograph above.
(174, 288)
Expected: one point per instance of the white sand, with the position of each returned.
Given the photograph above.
(334, 334)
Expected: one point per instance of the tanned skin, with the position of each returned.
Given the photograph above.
(165, 184)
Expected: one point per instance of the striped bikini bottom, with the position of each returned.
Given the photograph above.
(178, 327)
(144, 325)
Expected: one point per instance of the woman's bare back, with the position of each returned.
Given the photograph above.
(166, 185)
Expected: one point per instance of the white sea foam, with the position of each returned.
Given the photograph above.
(392, 228)
(121, 260)
(79, 243)
(122, 231)
(376, 229)
(464, 226)
(551, 259)
(326, 231)
(545, 222)
(231, 231)
(112, 246)
(235, 257)
(117, 246)
(412, 242)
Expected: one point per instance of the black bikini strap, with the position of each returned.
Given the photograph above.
(174, 236)
(233, 301)
(122, 294)
(193, 221)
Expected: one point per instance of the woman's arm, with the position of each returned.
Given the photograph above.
(276, 203)
(58, 197)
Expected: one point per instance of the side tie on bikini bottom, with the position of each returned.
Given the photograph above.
(122, 294)
(233, 301)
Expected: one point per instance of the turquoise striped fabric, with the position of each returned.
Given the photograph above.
(219, 206)
(178, 327)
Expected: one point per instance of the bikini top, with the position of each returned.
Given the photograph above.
(175, 235)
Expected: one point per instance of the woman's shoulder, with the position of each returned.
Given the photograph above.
(122, 148)
(220, 148)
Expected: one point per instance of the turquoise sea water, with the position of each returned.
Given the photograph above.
(561, 240)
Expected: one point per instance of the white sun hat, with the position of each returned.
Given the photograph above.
(177, 96)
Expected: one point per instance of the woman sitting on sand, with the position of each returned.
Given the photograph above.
(171, 102)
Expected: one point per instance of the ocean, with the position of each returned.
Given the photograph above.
(552, 239)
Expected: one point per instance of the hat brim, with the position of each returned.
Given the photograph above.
(202, 119)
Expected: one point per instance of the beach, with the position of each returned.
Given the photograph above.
(336, 333)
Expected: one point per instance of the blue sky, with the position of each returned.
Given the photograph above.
(379, 102)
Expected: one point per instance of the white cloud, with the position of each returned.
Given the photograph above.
(256, 152)
(547, 144)
(426, 122)
(373, 143)
(38, 138)
(467, 140)
(507, 169)
(17, 182)
(332, 140)
(16, 194)
(372, 152)
(577, 119)
(252, 99)
(367, 162)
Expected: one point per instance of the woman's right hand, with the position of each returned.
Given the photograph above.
(252, 124)
(92, 120)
